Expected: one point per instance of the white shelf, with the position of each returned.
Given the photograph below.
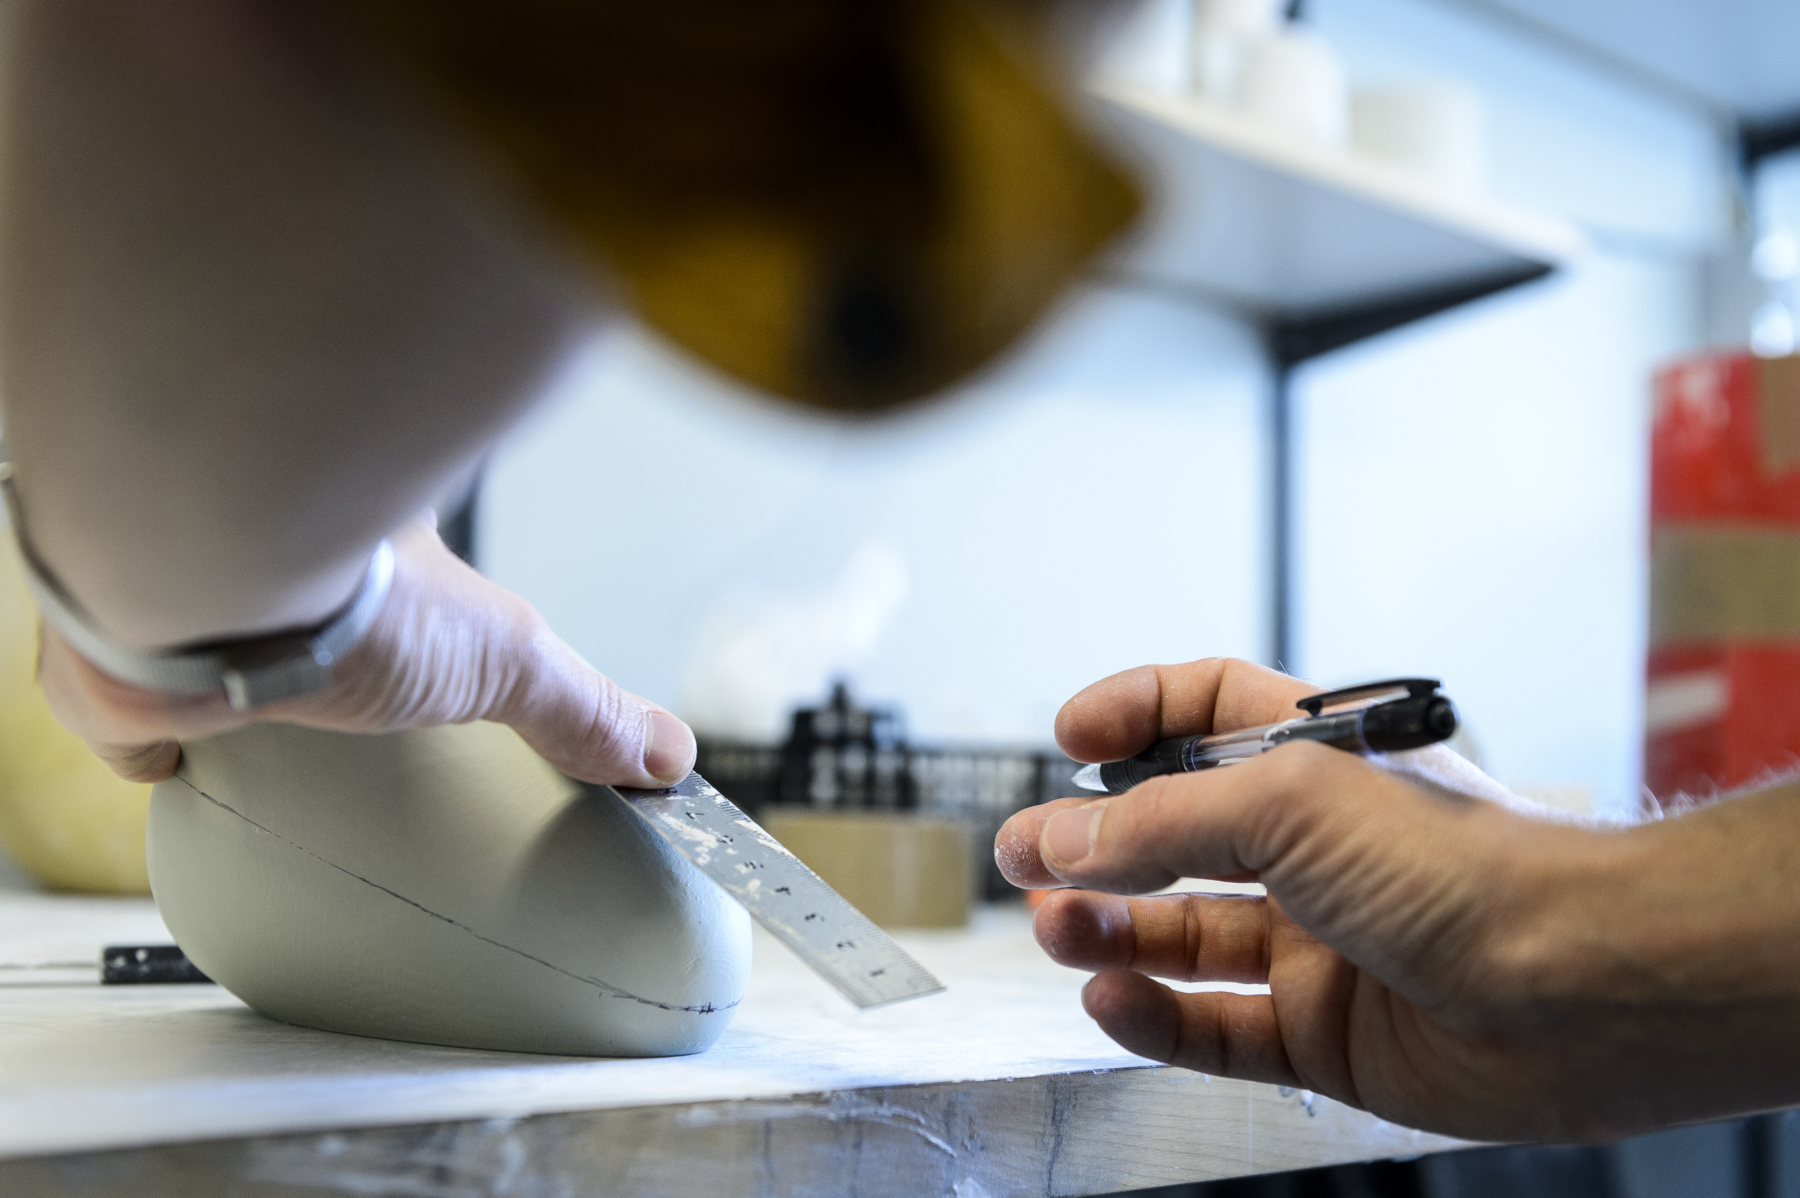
(1281, 229)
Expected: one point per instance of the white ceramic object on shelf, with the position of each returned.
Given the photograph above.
(442, 885)
(1274, 227)
(1434, 129)
(1221, 31)
(1292, 81)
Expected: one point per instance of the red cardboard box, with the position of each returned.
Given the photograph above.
(1723, 705)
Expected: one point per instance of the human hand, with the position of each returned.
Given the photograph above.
(1432, 954)
(448, 647)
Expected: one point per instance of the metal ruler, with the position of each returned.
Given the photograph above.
(835, 939)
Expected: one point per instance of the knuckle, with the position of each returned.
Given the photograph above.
(1193, 938)
(1299, 765)
(1311, 754)
(521, 615)
(1197, 1042)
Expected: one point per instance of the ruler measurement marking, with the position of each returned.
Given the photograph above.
(862, 966)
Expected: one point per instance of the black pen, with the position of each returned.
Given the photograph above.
(1379, 717)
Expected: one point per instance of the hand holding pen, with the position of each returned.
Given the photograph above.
(1427, 948)
(1377, 717)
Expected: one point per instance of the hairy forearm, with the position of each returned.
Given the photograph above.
(1704, 908)
(245, 328)
(1669, 956)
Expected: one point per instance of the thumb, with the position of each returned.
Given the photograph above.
(590, 727)
(1226, 823)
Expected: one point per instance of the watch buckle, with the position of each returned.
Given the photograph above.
(268, 670)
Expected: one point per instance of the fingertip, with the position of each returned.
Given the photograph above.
(1082, 929)
(1106, 990)
(1016, 846)
(1070, 717)
(1140, 1015)
(669, 748)
(1017, 856)
(1112, 718)
(153, 762)
(588, 726)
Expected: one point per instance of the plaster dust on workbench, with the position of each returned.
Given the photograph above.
(440, 885)
(1004, 1067)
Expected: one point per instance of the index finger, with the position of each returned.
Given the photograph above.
(1127, 713)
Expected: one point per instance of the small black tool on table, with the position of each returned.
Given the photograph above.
(146, 964)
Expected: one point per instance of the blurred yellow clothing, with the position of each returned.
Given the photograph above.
(849, 203)
(65, 818)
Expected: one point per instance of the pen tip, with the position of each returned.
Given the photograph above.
(1088, 778)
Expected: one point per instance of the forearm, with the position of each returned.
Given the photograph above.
(243, 334)
(1669, 955)
(1716, 915)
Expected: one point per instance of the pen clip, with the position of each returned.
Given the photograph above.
(1415, 688)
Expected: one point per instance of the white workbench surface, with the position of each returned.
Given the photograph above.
(86, 1068)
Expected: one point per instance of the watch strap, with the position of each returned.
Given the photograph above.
(252, 672)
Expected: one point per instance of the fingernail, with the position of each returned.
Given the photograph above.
(668, 748)
(1069, 836)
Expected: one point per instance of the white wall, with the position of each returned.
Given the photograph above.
(651, 514)
(1775, 320)
(1642, 169)
(1045, 521)
(1472, 503)
(1510, 438)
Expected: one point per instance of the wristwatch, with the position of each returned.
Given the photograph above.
(251, 672)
